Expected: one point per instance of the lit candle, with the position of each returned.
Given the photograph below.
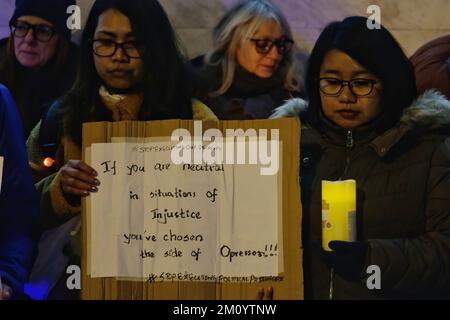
(338, 211)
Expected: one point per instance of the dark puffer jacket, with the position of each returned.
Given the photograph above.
(403, 200)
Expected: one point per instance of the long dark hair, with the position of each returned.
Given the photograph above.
(166, 88)
(376, 50)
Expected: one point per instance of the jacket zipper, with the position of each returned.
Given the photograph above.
(349, 146)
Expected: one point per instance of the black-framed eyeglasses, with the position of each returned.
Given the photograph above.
(108, 48)
(359, 86)
(41, 32)
(263, 46)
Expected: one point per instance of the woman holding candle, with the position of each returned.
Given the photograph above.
(130, 69)
(365, 122)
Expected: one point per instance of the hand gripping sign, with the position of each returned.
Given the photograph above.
(176, 218)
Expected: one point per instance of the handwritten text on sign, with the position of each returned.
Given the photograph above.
(151, 216)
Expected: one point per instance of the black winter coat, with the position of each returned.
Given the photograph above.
(403, 200)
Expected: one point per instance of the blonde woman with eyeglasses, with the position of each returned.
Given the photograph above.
(254, 64)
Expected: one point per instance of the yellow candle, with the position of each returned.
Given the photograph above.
(338, 211)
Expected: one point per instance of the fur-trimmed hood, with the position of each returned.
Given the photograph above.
(430, 111)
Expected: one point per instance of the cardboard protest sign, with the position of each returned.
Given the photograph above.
(191, 210)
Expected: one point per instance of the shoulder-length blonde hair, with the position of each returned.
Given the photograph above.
(237, 26)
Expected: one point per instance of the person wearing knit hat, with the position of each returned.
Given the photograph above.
(38, 60)
(54, 11)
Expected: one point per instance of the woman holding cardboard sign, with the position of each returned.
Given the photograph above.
(365, 122)
(130, 69)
